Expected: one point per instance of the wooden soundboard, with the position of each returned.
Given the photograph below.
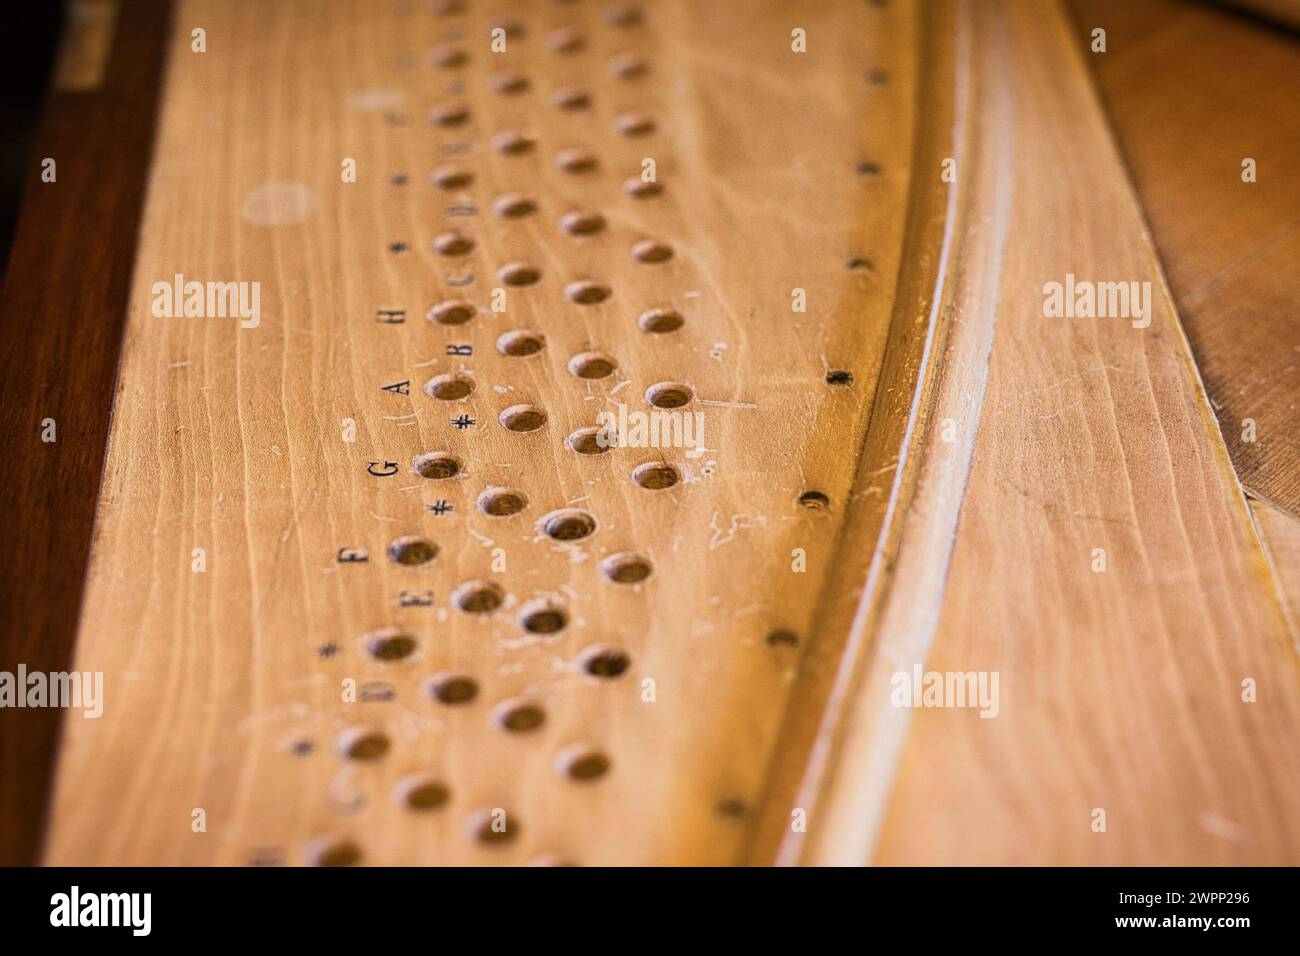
(366, 584)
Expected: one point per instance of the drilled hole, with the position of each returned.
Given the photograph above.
(623, 15)
(732, 808)
(867, 168)
(634, 124)
(627, 66)
(606, 662)
(523, 418)
(512, 143)
(512, 28)
(626, 567)
(410, 549)
(501, 502)
(576, 160)
(582, 764)
(814, 501)
(361, 743)
(513, 205)
(585, 292)
(661, 320)
(493, 827)
(668, 395)
(566, 40)
(655, 476)
(453, 244)
(838, 376)
(389, 645)
(638, 188)
(449, 387)
(451, 177)
(453, 689)
(782, 637)
(447, 57)
(478, 597)
(520, 716)
(582, 223)
(650, 251)
(509, 82)
(571, 524)
(592, 365)
(518, 273)
(450, 115)
(586, 441)
(437, 465)
(451, 312)
(333, 851)
(421, 793)
(542, 617)
(571, 98)
(857, 263)
(520, 344)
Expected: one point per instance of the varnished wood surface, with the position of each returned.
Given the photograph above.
(62, 311)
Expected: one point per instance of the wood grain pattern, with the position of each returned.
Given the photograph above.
(229, 440)
(62, 311)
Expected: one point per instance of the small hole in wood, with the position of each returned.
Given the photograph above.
(582, 764)
(494, 827)
(502, 502)
(518, 273)
(586, 441)
(576, 160)
(451, 312)
(867, 168)
(363, 743)
(451, 177)
(512, 143)
(586, 292)
(655, 476)
(478, 597)
(389, 645)
(605, 661)
(542, 617)
(782, 637)
(437, 465)
(626, 567)
(839, 377)
(566, 40)
(814, 501)
(513, 206)
(453, 244)
(582, 223)
(858, 263)
(668, 395)
(624, 15)
(520, 344)
(453, 689)
(520, 716)
(333, 851)
(421, 793)
(650, 251)
(634, 124)
(638, 188)
(449, 387)
(628, 66)
(592, 365)
(661, 320)
(447, 57)
(571, 98)
(523, 418)
(732, 808)
(449, 116)
(570, 524)
(509, 82)
(410, 549)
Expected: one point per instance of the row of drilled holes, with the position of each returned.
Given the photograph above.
(659, 320)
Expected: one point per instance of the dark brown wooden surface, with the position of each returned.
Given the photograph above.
(62, 311)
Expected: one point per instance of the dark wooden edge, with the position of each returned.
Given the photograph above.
(62, 314)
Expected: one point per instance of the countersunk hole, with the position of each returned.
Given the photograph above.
(866, 168)
(576, 160)
(520, 344)
(623, 15)
(732, 808)
(582, 764)
(814, 501)
(449, 116)
(453, 689)
(569, 524)
(668, 395)
(493, 827)
(420, 792)
(449, 387)
(451, 177)
(410, 549)
(518, 273)
(782, 637)
(627, 66)
(437, 465)
(509, 82)
(582, 222)
(333, 851)
(512, 143)
(626, 567)
(585, 292)
(655, 475)
(523, 418)
(605, 661)
(447, 57)
(363, 743)
(634, 124)
(540, 616)
(586, 441)
(478, 597)
(592, 365)
(451, 312)
(389, 644)
(638, 188)
(855, 263)
(513, 205)
(651, 251)
(520, 716)
(571, 98)
(453, 244)
(661, 320)
(502, 502)
(838, 376)
(566, 40)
